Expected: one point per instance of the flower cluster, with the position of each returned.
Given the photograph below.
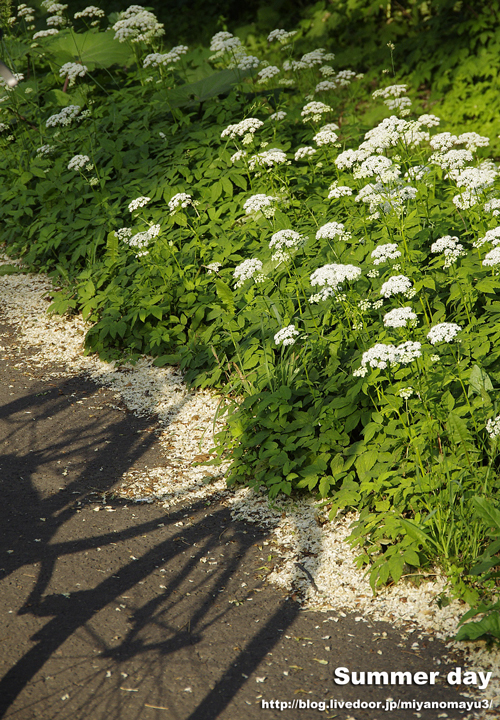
(281, 35)
(246, 270)
(180, 200)
(45, 33)
(492, 206)
(444, 332)
(137, 25)
(260, 202)
(396, 285)
(493, 427)
(78, 162)
(383, 253)
(267, 73)
(141, 240)
(268, 158)
(492, 258)
(64, 117)
(337, 191)
(223, 42)
(89, 12)
(45, 150)
(379, 166)
(213, 267)
(286, 336)
(242, 61)
(381, 355)
(72, 71)
(492, 236)
(400, 317)
(406, 393)
(326, 135)
(165, 59)
(332, 277)
(288, 239)
(304, 152)
(249, 125)
(314, 111)
(451, 247)
(280, 115)
(332, 230)
(138, 203)
(26, 12)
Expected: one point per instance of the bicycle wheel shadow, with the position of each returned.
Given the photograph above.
(127, 592)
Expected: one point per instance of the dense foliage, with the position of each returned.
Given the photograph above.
(286, 231)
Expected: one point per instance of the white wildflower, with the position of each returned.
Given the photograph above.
(249, 125)
(268, 158)
(451, 248)
(64, 117)
(326, 135)
(383, 253)
(400, 317)
(223, 42)
(492, 258)
(472, 140)
(246, 270)
(137, 25)
(179, 200)
(332, 277)
(78, 162)
(444, 332)
(72, 71)
(45, 150)
(259, 202)
(325, 86)
(406, 393)
(288, 239)
(493, 206)
(281, 35)
(396, 285)
(286, 336)
(337, 191)
(267, 73)
(45, 33)
(492, 236)
(314, 110)
(417, 172)
(332, 230)
(213, 267)
(238, 155)
(304, 152)
(138, 203)
(280, 115)
(493, 427)
(429, 120)
(90, 11)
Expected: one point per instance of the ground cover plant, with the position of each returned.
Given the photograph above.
(311, 245)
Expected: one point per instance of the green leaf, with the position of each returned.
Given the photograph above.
(479, 380)
(89, 48)
(488, 512)
(489, 625)
(9, 269)
(224, 292)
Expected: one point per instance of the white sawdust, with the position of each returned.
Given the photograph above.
(298, 532)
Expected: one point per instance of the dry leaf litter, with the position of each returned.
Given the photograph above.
(311, 555)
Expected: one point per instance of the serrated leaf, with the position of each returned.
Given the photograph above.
(479, 380)
(224, 292)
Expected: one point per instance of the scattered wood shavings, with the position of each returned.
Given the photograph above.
(302, 547)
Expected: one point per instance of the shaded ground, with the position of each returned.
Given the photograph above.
(115, 611)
